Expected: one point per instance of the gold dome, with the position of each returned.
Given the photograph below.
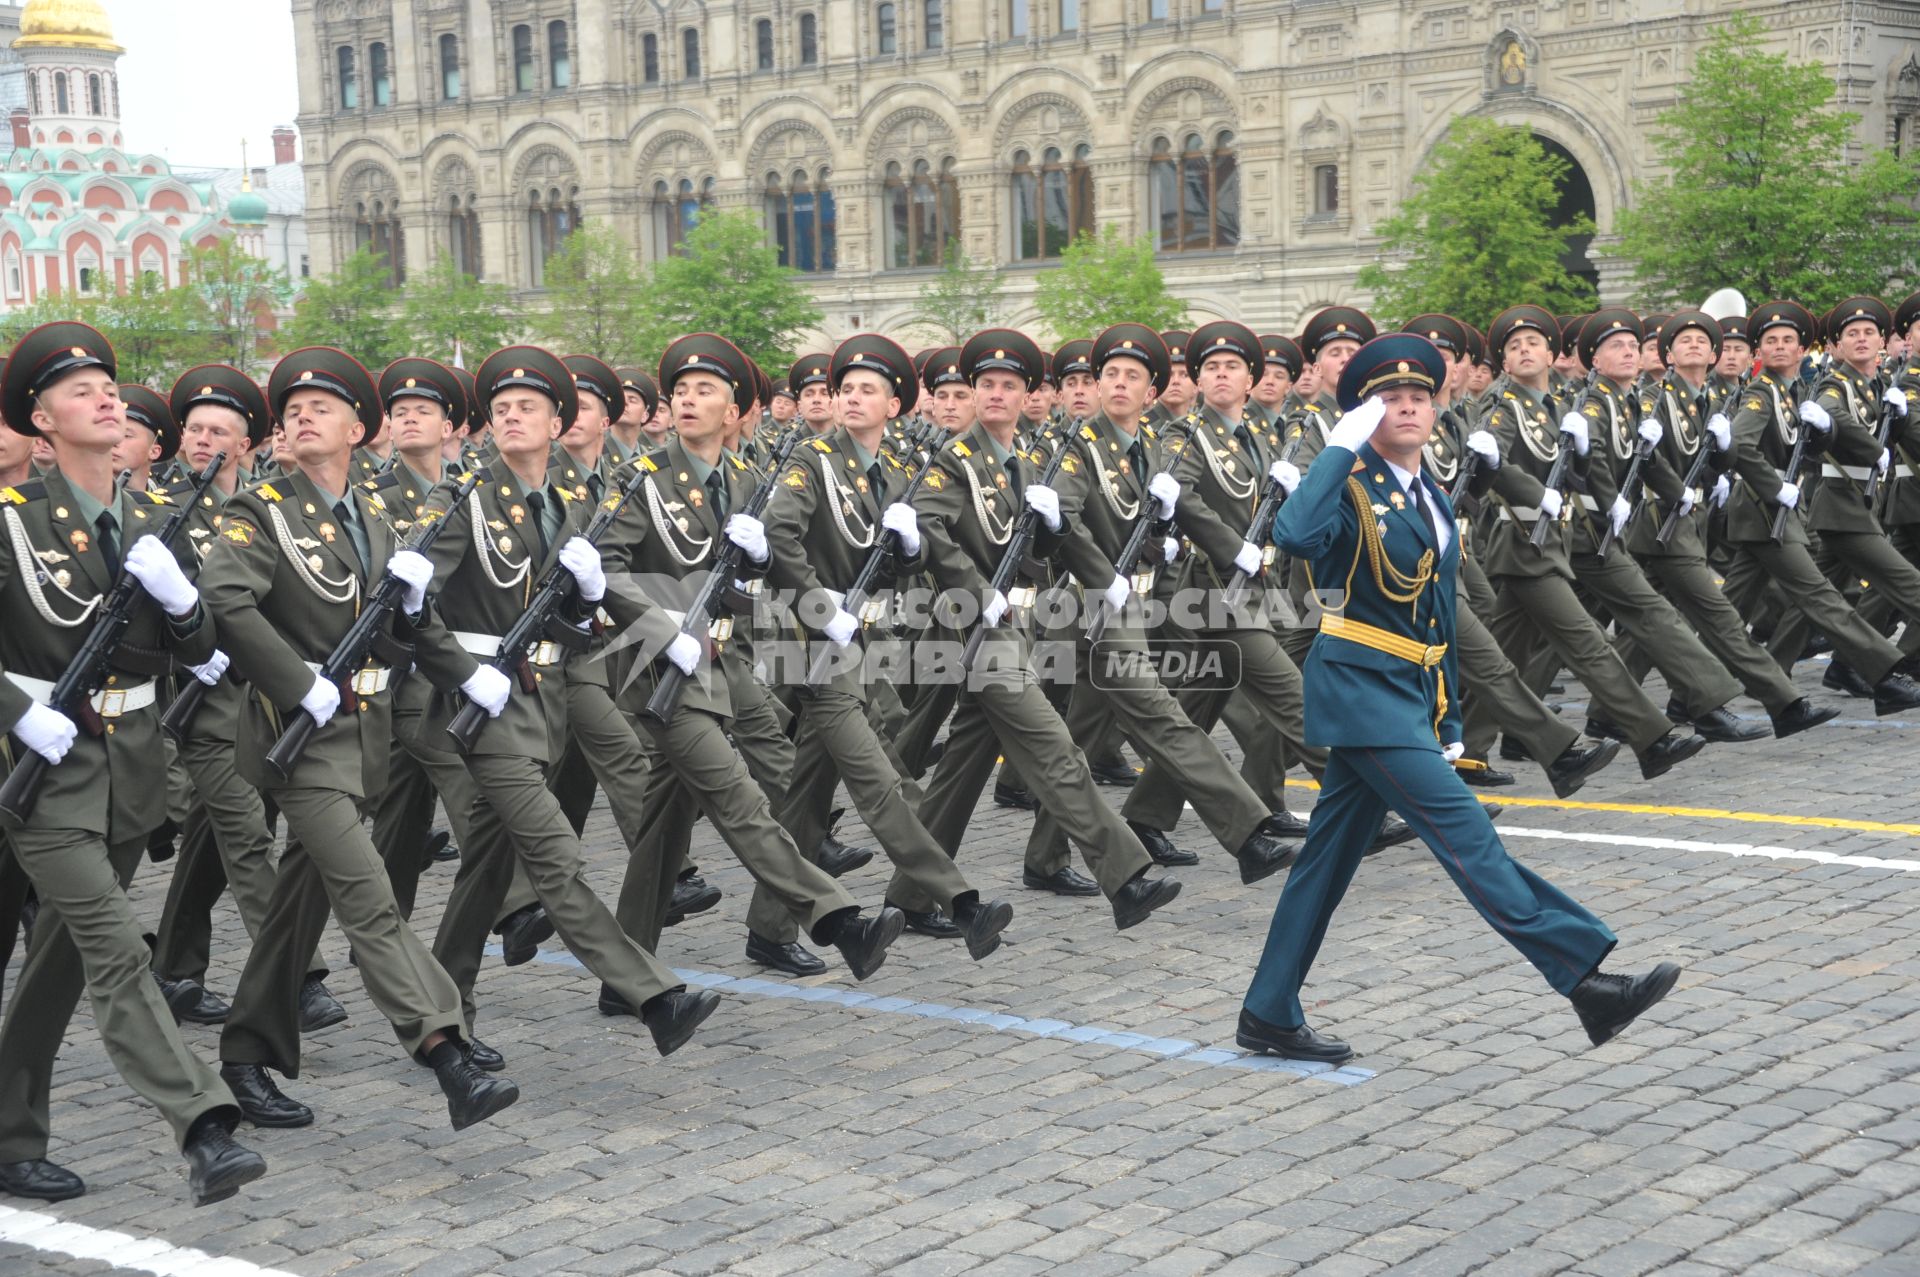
(66, 24)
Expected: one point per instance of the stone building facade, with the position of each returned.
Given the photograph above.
(1258, 141)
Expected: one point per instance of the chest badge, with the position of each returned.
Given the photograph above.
(79, 538)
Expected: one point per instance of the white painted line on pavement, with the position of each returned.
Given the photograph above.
(135, 1254)
(1743, 849)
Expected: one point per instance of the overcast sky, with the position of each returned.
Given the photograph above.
(199, 75)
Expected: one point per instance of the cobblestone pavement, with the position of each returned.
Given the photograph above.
(1076, 1102)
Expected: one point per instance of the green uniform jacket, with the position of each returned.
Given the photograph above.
(1527, 428)
(824, 519)
(1852, 399)
(1101, 494)
(967, 514)
(1764, 431)
(1311, 421)
(1220, 487)
(284, 584)
(1902, 507)
(1682, 414)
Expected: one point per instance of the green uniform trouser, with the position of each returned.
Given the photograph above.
(1255, 667)
(1002, 701)
(1880, 611)
(1496, 698)
(838, 742)
(225, 844)
(87, 937)
(330, 860)
(1893, 585)
(403, 813)
(1124, 691)
(697, 771)
(14, 888)
(1812, 596)
(1694, 674)
(518, 818)
(1538, 615)
(459, 796)
(1690, 585)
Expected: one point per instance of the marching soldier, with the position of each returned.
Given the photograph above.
(639, 402)
(1327, 342)
(1381, 677)
(81, 842)
(151, 439)
(1177, 396)
(1273, 393)
(807, 378)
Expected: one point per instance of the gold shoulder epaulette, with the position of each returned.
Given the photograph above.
(821, 445)
(738, 464)
(960, 448)
(268, 492)
(22, 493)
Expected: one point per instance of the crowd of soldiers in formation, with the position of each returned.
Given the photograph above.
(252, 583)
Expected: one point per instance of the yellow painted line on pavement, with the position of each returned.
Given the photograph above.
(1696, 813)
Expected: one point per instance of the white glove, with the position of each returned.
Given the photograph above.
(579, 557)
(1574, 426)
(993, 609)
(1485, 446)
(1550, 504)
(1722, 489)
(1895, 398)
(1816, 416)
(1722, 431)
(1651, 431)
(684, 652)
(1617, 514)
(158, 572)
(1045, 502)
(1882, 461)
(1689, 499)
(1165, 489)
(1453, 752)
(488, 688)
(750, 535)
(900, 520)
(841, 627)
(1118, 592)
(1356, 427)
(210, 672)
(1248, 560)
(1169, 549)
(415, 571)
(321, 700)
(47, 732)
(1789, 495)
(1286, 474)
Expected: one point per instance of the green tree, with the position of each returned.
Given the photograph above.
(353, 309)
(16, 324)
(443, 306)
(595, 292)
(1477, 234)
(156, 331)
(727, 279)
(240, 293)
(961, 300)
(1105, 281)
(1764, 192)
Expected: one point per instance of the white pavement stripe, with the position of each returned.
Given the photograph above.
(1744, 849)
(134, 1254)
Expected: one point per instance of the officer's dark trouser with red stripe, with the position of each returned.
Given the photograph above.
(1550, 929)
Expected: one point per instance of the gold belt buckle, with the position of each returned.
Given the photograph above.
(113, 702)
(720, 629)
(366, 681)
(1268, 555)
(1022, 596)
(1143, 582)
(873, 611)
(545, 652)
(1431, 657)
(753, 587)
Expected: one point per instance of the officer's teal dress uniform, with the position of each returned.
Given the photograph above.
(1382, 695)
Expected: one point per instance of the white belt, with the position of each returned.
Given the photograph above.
(1588, 503)
(368, 681)
(108, 702)
(1518, 513)
(545, 652)
(1859, 474)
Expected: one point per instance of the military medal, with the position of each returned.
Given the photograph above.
(515, 513)
(60, 512)
(861, 483)
(506, 545)
(327, 533)
(695, 498)
(79, 538)
(1399, 501)
(315, 563)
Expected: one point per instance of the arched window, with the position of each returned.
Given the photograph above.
(95, 105)
(922, 213)
(463, 235)
(380, 73)
(14, 281)
(1326, 189)
(1052, 204)
(886, 33)
(675, 209)
(650, 58)
(450, 68)
(809, 40)
(60, 103)
(33, 89)
(1069, 15)
(935, 24)
(559, 58)
(523, 59)
(1194, 196)
(690, 54)
(800, 217)
(349, 78)
(763, 44)
(552, 215)
(376, 227)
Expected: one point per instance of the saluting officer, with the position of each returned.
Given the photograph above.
(83, 840)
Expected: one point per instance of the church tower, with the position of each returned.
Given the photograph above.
(73, 81)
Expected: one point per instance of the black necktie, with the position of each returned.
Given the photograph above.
(717, 494)
(1137, 454)
(537, 507)
(108, 539)
(597, 486)
(345, 515)
(1424, 508)
(1015, 483)
(877, 478)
